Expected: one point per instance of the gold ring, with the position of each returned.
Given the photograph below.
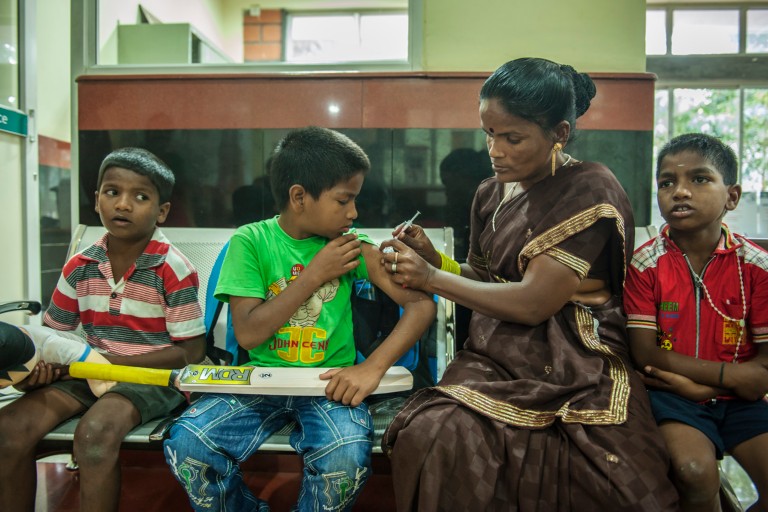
(394, 267)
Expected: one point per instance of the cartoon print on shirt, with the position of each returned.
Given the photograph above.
(665, 340)
(301, 341)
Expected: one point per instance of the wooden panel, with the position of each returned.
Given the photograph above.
(194, 103)
(53, 152)
(623, 102)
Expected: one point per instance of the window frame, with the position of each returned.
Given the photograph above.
(85, 52)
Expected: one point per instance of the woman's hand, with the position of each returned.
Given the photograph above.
(415, 238)
(405, 266)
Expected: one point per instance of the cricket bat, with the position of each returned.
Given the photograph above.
(250, 380)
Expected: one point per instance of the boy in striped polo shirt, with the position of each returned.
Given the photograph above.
(135, 296)
(696, 298)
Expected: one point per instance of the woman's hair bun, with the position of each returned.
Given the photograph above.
(583, 89)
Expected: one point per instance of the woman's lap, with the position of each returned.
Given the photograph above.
(447, 457)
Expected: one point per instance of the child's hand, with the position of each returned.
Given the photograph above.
(749, 381)
(678, 384)
(41, 375)
(351, 385)
(98, 387)
(338, 257)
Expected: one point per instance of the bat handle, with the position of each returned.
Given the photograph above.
(173, 380)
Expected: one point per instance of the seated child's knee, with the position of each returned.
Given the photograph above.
(93, 437)
(353, 459)
(697, 478)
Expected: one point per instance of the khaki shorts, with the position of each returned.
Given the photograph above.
(151, 401)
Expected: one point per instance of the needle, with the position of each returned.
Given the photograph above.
(406, 225)
(410, 221)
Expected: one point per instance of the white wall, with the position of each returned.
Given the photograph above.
(205, 15)
(11, 230)
(54, 111)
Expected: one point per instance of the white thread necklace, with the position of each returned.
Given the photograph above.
(742, 322)
(503, 200)
(511, 192)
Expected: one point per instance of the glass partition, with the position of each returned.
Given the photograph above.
(222, 175)
(9, 54)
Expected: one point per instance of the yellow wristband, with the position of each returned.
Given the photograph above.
(449, 265)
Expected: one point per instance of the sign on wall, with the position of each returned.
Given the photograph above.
(13, 121)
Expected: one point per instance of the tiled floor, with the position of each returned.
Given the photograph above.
(148, 485)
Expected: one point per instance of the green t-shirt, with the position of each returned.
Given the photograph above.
(262, 260)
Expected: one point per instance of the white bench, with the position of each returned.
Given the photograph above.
(202, 246)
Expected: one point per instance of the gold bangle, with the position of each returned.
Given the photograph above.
(449, 265)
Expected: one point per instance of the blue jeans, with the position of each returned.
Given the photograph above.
(215, 434)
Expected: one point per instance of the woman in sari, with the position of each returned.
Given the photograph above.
(542, 410)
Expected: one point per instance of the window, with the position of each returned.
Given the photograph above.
(757, 31)
(363, 33)
(708, 82)
(9, 55)
(656, 32)
(705, 32)
(346, 37)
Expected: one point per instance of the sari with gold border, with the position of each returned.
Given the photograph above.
(546, 417)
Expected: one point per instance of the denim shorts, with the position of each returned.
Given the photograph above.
(727, 423)
(214, 435)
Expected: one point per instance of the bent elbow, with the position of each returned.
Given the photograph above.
(250, 340)
(535, 315)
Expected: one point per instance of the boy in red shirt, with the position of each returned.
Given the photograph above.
(696, 298)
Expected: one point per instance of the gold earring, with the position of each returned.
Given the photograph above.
(555, 150)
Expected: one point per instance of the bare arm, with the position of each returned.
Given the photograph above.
(546, 286)
(352, 384)
(255, 321)
(178, 356)
(675, 383)
(747, 380)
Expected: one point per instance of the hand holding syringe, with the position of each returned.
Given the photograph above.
(402, 228)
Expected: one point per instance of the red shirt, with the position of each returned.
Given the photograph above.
(661, 293)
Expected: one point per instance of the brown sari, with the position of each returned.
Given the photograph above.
(542, 418)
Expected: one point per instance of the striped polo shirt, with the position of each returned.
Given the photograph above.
(153, 306)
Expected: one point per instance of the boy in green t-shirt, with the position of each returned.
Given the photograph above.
(288, 281)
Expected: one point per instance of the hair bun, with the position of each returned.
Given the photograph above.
(584, 90)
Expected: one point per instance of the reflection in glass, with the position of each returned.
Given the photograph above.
(9, 54)
(655, 32)
(757, 31)
(222, 176)
(705, 32)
